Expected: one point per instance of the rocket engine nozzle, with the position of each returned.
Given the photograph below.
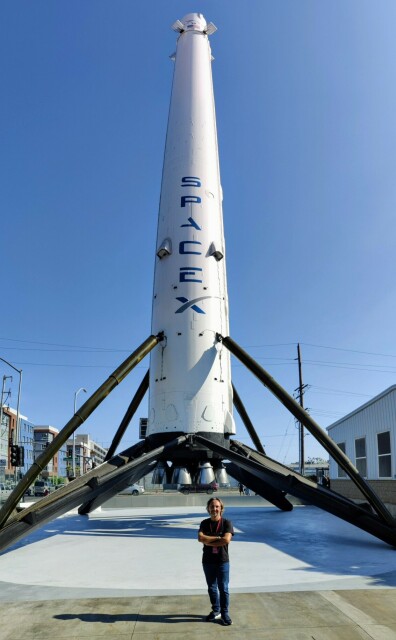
(205, 473)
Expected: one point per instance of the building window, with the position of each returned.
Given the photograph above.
(340, 472)
(360, 456)
(384, 455)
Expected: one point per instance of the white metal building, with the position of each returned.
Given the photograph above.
(368, 437)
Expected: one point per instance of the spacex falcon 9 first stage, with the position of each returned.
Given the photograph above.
(190, 379)
(190, 428)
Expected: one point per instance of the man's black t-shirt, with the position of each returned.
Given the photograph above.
(210, 527)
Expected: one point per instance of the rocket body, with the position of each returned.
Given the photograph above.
(190, 379)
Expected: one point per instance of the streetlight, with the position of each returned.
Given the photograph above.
(2, 399)
(3, 445)
(74, 434)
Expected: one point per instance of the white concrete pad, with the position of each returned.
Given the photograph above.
(154, 551)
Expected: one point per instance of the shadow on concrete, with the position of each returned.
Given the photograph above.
(324, 544)
(130, 617)
(161, 526)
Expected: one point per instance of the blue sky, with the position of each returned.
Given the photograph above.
(306, 102)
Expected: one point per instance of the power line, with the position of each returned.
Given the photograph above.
(351, 366)
(67, 350)
(55, 344)
(321, 346)
(252, 346)
(280, 344)
(328, 390)
(368, 353)
(72, 366)
(326, 413)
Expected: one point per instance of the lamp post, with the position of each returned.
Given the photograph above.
(3, 445)
(2, 400)
(74, 434)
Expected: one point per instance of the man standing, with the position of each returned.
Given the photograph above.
(215, 534)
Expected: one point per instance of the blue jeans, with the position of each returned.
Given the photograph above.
(217, 578)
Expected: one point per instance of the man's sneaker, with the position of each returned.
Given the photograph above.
(214, 615)
(226, 620)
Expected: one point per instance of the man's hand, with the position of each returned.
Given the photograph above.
(214, 541)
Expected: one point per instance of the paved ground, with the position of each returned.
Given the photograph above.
(125, 573)
(324, 615)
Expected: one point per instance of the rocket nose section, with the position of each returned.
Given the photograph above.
(194, 22)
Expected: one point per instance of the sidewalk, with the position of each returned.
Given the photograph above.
(324, 615)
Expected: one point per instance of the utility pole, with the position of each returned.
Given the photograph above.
(300, 389)
(17, 426)
(4, 437)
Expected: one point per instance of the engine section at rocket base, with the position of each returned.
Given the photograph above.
(190, 377)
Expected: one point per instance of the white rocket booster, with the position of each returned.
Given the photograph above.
(190, 378)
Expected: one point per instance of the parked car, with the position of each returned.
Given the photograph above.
(41, 488)
(198, 488)
(132, 490)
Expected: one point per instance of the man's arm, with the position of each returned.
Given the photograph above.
(214, 541)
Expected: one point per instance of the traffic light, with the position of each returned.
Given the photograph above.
(14, 455)
(17, 456)
(21, 457)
